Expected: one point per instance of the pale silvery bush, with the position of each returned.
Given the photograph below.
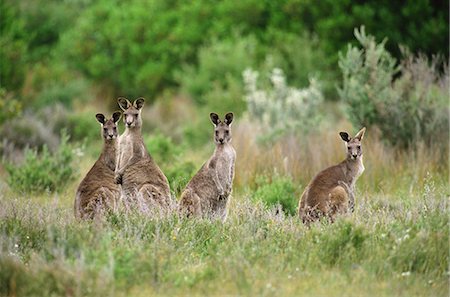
(407, 101)
(280, 108)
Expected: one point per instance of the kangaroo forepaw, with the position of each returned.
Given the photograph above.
(118, 179)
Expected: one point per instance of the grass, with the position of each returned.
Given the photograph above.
(394, 244)
(382, 249)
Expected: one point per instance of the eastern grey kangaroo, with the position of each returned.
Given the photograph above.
(98, 189)
(332, 190)
(208, 191)
(136, 170)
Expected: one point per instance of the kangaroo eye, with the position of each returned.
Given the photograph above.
(359, 147)
(226, 132)
(349, 148)
(217, 133)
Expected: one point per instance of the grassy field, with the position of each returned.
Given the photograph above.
(396, 243)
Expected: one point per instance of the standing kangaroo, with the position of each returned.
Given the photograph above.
(332, 190)
(208, 191)
(136, 170)
(98, 188)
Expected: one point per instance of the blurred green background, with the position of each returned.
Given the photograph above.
(289, 68)
(79, 51)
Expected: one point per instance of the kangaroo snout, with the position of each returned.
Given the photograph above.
(221, 140)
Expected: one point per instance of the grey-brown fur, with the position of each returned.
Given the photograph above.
(332, 190)
(140, 176)
(98, 189)
(208, 192)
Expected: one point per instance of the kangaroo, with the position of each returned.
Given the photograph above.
(136, 170)
(208, 191)
(332, 190)
(98, 188)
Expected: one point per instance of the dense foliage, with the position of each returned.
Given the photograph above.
(407, 101)
(44, 170)
(137, 47)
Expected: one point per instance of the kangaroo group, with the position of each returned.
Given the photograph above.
(125, 174)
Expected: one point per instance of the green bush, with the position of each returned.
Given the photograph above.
(219, 66)
(301, 57)
(43, 171)
(179, 174)
(168, 156)
(13, 47)
(277, 190)
(162, 148)
(9, 107)
(420, 25)
(408, 102)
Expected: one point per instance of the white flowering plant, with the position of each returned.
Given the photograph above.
(280, 108)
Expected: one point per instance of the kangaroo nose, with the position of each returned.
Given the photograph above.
(111, 135)
(221, 140)
(354, 156)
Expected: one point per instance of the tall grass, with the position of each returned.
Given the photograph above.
(388, 169)
(381, 250)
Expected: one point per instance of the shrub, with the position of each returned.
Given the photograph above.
(168, 155)
(301, 58)
(43, 171)
(9, 107)
(162, 148)
(179, 174)
(220, 65)
(279, 108)
(410, 108)
(34, 129)
(30, 131)
(277, 190)
(13, 47)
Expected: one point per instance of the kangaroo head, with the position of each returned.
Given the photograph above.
(222, 130)
(109, 127)
(354, 145)
(131, 112)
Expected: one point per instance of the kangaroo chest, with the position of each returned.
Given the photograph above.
(354, 172)
(225, 161)
(130, 146)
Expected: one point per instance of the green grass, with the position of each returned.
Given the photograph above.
(390, 246)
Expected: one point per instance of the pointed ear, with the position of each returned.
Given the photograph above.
(214, 118)
(360, 134)
(123, 103)
(116, 116)
(100, 118)
(228, 118)
(345, 137)
(139, 103)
